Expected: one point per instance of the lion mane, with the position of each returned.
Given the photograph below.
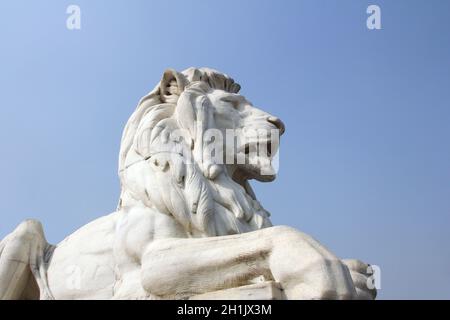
(172, 175)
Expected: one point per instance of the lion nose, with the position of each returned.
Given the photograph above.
(277, 123)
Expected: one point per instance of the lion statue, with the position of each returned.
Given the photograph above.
(188, 222)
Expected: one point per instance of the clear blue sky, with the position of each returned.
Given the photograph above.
(364, 163)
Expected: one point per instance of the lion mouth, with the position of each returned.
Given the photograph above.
(254, 146)
(258, 162)
(257, 165)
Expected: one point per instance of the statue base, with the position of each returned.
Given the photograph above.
(268, 290)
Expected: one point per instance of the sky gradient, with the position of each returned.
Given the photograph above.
(364, 162)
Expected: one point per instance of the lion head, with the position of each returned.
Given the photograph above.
(176, 156)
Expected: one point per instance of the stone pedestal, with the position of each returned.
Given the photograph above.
(268, 290)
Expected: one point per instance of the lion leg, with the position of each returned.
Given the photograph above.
(308, 270)
(21, 263)
(178, 268)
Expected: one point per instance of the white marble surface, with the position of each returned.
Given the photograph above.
(183, 229)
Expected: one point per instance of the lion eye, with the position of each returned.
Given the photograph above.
(231, 100)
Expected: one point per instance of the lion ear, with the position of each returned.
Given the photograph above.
(171, 86)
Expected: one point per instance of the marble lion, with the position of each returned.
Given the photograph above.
(186, 224)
